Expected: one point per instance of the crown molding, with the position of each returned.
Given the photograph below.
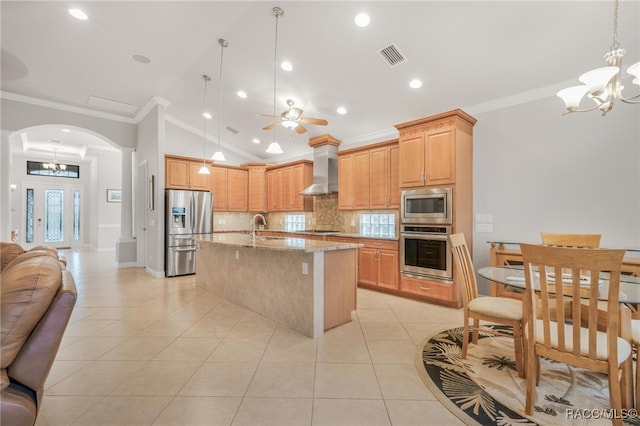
(65, 107)
(142, 112)
(369, 138)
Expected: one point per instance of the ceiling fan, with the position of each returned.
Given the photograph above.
(292, 119)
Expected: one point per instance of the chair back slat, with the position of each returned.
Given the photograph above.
(571, 240)
(574, 275)
(464, 265)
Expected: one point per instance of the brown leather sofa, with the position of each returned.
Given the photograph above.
(37, 297)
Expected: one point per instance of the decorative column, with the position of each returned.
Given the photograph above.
(5, 187)
(126, 245)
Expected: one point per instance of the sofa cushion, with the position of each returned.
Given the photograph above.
(28, 285)
(8, 252)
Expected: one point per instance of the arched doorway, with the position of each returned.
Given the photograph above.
(61, 176)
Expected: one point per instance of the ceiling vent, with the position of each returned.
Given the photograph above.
(232, 130)
(392, 55)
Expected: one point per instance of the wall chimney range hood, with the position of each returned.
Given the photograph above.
(325, 165)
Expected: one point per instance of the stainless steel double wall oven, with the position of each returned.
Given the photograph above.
(426, 222)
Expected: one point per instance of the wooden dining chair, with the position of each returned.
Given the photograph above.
(571, 240)
(570, 334)
(498, 310)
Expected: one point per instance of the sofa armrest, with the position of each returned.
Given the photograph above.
(33, 363)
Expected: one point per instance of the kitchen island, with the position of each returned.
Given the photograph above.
(306, 285)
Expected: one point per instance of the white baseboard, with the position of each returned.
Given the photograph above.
(127, 265)
(155, 274)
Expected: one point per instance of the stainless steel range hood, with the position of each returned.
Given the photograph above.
(325, 165)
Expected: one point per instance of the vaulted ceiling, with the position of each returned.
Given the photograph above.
(474, 55)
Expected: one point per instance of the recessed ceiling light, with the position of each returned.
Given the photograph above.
(415, 83)
(78, 14)
(141, 58)
(362, 20)
(286, 65)
(341, 110)
(241, 94)
(66, 130)
(255, 140)
(207, 115)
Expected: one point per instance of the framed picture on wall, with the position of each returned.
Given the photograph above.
(114, 195)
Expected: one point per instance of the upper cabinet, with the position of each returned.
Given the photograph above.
(284, 184)
(368, 177)
(229, 186)
(182, 173)
(257, 187)
(433, 149)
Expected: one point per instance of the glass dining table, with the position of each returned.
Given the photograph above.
(514, 276)
(629, 298)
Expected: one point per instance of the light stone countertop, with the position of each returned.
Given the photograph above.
(275, 243)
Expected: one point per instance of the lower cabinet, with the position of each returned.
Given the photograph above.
(378, 263)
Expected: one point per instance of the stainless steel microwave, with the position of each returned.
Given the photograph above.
(427, 206)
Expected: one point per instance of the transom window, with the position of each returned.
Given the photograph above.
(38, 168)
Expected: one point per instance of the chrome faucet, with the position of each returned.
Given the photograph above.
(253, 226)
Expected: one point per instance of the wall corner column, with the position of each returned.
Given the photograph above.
(126, 246)
(5, 187)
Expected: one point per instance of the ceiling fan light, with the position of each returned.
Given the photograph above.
(598, 79)
(572, 95)
(274, 148)
(218, 156)
(290, 124)
(204, 170)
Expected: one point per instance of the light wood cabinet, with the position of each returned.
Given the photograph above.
(368, 177)
(430, 148)
(284, 184)
(182, 173)
(378, 263)
(257, 187)
(230, 188)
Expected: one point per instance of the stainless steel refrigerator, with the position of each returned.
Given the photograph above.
(188, 213)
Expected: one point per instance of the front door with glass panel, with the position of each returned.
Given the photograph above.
(53, 214)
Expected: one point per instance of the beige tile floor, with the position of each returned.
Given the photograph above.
(147, 351)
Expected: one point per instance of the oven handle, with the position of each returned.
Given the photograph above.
(420, 236)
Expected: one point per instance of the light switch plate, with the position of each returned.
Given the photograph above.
(484, 227)
(484, 218)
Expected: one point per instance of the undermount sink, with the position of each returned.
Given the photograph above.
(269, 238)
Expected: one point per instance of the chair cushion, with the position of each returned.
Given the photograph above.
(624, 348)
(28, 286)
(500, 307)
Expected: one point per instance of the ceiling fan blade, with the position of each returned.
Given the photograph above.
(300, 129)
(316, 121)
(270, 126)
(268, 115)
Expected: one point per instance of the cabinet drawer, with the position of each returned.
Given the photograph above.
(379, 244)
(432, 289)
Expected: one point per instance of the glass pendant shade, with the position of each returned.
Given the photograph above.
(634, 70)
(274, 148)
(218, 156)
(204, 170)
(573, 95)
(290, 124)
(598, 79)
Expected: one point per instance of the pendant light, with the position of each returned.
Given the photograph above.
(204, 170)
(219, 156)
(274, 147)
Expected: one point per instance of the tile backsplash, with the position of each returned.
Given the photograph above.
(325, 216)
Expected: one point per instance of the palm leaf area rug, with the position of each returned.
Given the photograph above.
(485, 388)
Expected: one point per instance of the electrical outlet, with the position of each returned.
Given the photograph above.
(237, 254)
(305, 268)
(353, 222)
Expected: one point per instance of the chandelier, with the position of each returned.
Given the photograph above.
(603, 85)
(55, 166)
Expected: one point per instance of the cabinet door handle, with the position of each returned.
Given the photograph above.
(426, 177)
(425, 288)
